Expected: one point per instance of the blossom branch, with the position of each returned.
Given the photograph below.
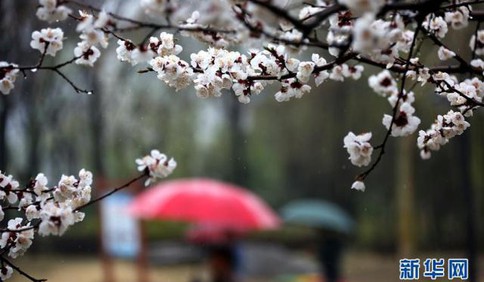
(362, 176)
(55, 68)
(141, 24)
(127, 184)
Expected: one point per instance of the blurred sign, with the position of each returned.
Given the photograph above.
(121, 235)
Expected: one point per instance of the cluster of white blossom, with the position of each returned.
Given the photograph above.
(51, 11)
(92, 34)
(6, 272)
(47, 210)
(8, 75)
(157, 165)
(38, 201)
(404, 122)
(436, 25)
(444, 128)
(380, 33)
(381, 40)
(360, 151)
(359, 148)
(216, 69)
(51, 210)
(164, 46)
(48, 40)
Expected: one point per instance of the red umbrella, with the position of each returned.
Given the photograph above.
(204, 201)
(213, 234)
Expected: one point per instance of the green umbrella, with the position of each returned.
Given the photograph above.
(318, 213)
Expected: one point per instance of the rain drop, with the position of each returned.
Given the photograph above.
(89, 92)
(33, 70)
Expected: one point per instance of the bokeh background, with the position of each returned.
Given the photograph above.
(281, 151)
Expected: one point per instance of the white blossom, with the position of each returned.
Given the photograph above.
(18, 237)
(157, 165)
(47, 36)
(8, 75)
(405, 123)
(40, 185)
(359, 148)
(86, 22)
(383, 83)
(87, 53)
(165, 45)
(103, 20)
(55, 218)
(9, 188)
(445, 54)
(125, 50)
(337, 73)
(320, 76)
(436, 25)
(291, 88)
(477, 46)
(5, 272)
(308, 11)
(459, 18)
(31, 212)
(358, 186)
(141, 55)
(304, 71)
(50, 11)
(173, 71)
(94, 37)
(478, 63)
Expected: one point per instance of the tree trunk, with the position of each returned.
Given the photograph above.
(469, 197)
(405, 197)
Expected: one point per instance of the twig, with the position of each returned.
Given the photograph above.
(382, 146)
(127, 184)
(19, 270)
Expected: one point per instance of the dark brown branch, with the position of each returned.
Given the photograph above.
(422, 7)
(439, 43)
(280, 13)
(477, 16)
(55, 68)
(71, 83)
(319, 17)
(127, 184)
(471, 101)
(259, 30)
(382, 146)
(141, 24)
